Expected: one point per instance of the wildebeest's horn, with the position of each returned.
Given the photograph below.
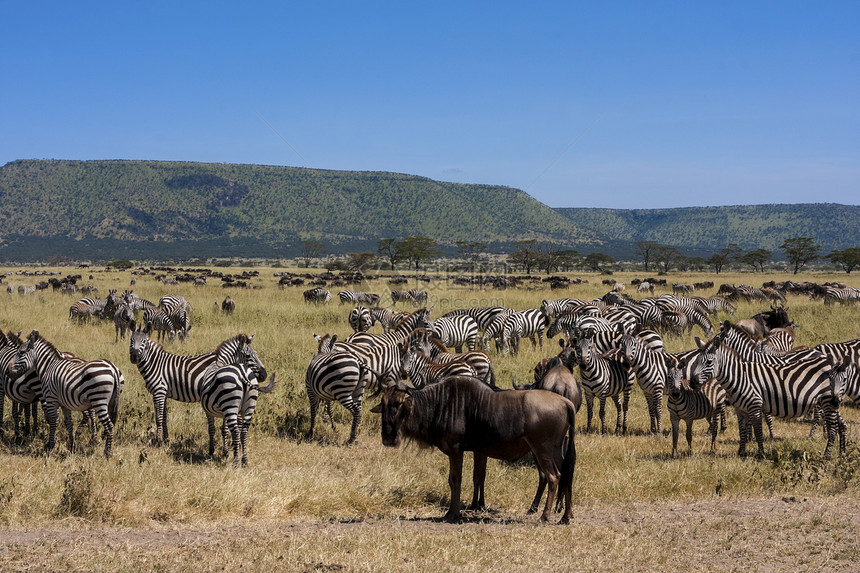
(405, 385)
(515, 385)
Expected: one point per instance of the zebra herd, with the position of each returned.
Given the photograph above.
(616, 342)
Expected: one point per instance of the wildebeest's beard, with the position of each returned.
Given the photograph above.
(396, 405)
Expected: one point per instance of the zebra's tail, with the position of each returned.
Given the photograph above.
(113, 404)
(270, 387)
(490, 378)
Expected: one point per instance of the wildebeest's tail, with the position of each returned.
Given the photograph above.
(490, 378)
(113, 403)
(565, 489)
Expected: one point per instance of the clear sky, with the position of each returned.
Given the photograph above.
(582, 104)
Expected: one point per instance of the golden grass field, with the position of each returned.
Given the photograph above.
(319, 505)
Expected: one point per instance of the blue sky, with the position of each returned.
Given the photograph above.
(581, 104)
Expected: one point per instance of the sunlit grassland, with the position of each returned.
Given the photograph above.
(296, 481)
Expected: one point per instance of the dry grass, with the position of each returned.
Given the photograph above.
(322, 506)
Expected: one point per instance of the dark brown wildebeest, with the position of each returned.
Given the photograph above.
(762, 323)
(228, 305)
(556, 375)
(462, 414)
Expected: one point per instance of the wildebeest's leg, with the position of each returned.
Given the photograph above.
(455, 478)
(540, 489)
(551, 472)
(479, 474)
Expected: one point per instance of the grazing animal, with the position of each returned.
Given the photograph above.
(422, 371)
(317, 295)
(358, 297)
(456, 331)
(228, 305)
(786, 391)
(340, 376)
(177, 377)
(170, 302)
(430, 345)
(651, 370)
(360, 319)
(462, 414)
(556, 375)
(707, 402)
(230, 391)
(71, 385)
(603, 377)
(123, 319)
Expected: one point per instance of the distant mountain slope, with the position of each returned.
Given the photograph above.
(160, 210)
(168, 201)
(711, 228)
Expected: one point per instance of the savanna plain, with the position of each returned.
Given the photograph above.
(322, 506)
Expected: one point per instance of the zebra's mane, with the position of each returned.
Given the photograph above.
(240, 338)
(729, 327)
(35, 337)
(13, 338)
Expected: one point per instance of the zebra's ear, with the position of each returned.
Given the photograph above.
(561, 342)
(250, 338)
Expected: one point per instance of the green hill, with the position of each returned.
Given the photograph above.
(105, 210)
(193, 209)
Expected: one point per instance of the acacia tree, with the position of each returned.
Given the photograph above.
(718, 261)
(360, 261)
(311, 250)
(594, 260)
(526, 255)
(416, 249)
(848, 258)
(800, 250)
(665, 256)
(646, 250)
(756, 259)
(385, 248)
(471, 251)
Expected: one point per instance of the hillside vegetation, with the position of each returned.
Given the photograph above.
(107, 210)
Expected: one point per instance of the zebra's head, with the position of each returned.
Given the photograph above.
(675, 379)
(631, 347)
(138, 346)
(706, 362)
(407, 360)
(25, 358)
(841, 377)
(359, 319)
(238, 350)
(584, 350)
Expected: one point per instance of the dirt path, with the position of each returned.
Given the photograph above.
(783, 534)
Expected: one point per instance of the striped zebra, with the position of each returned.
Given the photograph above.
(714, 305)
(317, 295)
(651, 369)
(707, 402)
(418, 319)
(83, 309)
(22, 390)
(134, 301)
(423, 371)
(358, 297)
(778, 341)
(784, 391)
(180, 321)
(413, 296)
(529, 324)
(605, 341)
(482, 315)
(360, 320)
(230, 392)
(456, 331)
(844, 383)
(604, 378)
(495, 329)
(842, 351)
(170, 302)
(438, 353)
(622, 316)
(841, 295)
(71, 385)
(340, 376)
(155, 319)
(123, 319)
(553, 308)
(167, 375)
(572, 323)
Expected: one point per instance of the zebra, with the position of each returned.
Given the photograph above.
(413, 296)
(778, 341)
(620, 315)
(418, 319)
(423, 371)
(22, 389)
(180, 321)
(605, 378)
(360, 319)
(573, 322)
(358, 297)
(83, 309)
(495, 329)
(645, 286)
(156, 319)
(482, 315)
(841, 351)
(230, 391)
(456, 331)
(167, 375)
(134, 301)
(317, 295)
(714, 304)
(170, 302)
(552, 308)
(340, 376)
(651, 370)
(123, 319)
(832, 295)
(524, 324)
(707, 402)
(70, 384)
(438, 353)
(785, 391)
(605, 341)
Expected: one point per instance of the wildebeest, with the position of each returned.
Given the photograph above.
(762, 323)
(556, 375)
(462, 414)
(228, 305)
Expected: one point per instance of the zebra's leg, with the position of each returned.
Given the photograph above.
(625, 407)
(652, 411)
(232, 424)
(602, 414)
(724, 424)
(658, 409)
(816, 419)
(755, 420)
(158, 405)
(16, 416)
(743, 432)
(104, 418)
(768, 419)
(356, 422)
(830, 426)
(712, 428)
(676, 422)
(689, 422)
(164, 422)
(329, 413)
(589, 406)
(34, 411)
(210, 423)
(51, 414)
(618, 415)
(314, 401)
(67, 420)
(243, 436)
(225, 449)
